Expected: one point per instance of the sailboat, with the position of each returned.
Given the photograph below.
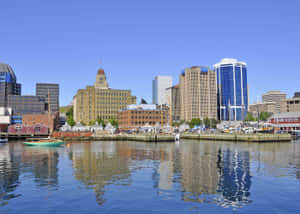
(48, 142)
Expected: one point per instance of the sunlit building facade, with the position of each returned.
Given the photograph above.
(232, 89)
(100, 101)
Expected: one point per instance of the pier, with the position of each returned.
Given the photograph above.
(261, 138)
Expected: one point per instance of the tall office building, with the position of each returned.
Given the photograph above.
(278, 97)
(8, 84)
(232, 89)
(173, 96)
(100, 101)
(198, 98)
(52, 90)
(159, 86)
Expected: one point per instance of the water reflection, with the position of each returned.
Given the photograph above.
(191, 172)
(97, 165)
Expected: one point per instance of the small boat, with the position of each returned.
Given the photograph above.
(3, 140)
(48, 143)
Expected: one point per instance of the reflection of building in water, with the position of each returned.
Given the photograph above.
(160, 154)
(42, 163)
(199, 170)
(9, 172)
(97, 165)
(275, 159)
(235, 179)
(208, 169)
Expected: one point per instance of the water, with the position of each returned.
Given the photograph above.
(130, 177)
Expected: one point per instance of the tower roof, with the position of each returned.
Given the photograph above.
(101, 71)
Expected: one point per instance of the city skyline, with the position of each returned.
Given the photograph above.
(57, 44)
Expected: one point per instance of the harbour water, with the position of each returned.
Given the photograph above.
(132, 177)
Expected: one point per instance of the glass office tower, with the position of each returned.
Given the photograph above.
(232, 89)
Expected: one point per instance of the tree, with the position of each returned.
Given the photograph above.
(83, 123)
(206, 122)
(213, 123)
(91, 123)
(114, 122)
(195, 122)
(101, 121)
(249, 117)
(70, 119)
(264, 116)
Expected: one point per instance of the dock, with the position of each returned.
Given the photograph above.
(261, 138)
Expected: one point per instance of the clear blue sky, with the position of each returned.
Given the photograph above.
(61, 41)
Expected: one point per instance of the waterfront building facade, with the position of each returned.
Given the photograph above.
(100, 101)
(137, 116)
(293, 104)
(286, 120)
(277, 97)
(173, 95)
(262, 107)
(52, 90)
(232, 89)
(159, 86)
(198, 98)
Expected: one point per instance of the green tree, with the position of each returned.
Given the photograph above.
(70, 119)
(83, 123)
(114, 122)
(206, 122)
(264, 116)
(91, 123)
(195, 122)
(249, 117)
(101, 121)
(213, 123)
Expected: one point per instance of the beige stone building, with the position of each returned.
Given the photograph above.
(198, 95)
(278, 98)
(173, 95)
(100, 101)
(293, 104)
(262, 107)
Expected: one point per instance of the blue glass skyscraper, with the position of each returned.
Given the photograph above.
(232, 89)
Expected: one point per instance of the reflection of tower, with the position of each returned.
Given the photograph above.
(199, 171)
(97, 165)
(235, 179)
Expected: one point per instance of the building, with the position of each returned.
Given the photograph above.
(286, 120)
(100, 101)
(277, 97)
(159, 86)
(50, 121)
(52, 90)
(8, 84)
(173, 95)
(293, 104)
(262, 107)
(198, 98)
(136, 116)
(232, 89)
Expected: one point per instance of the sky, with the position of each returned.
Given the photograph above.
(62, 42)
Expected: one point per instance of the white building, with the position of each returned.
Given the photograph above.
(159, 86)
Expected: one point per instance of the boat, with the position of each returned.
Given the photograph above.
(177, 137)
(48, 143)
(3, 140)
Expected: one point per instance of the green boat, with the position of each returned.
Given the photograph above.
(44, 143)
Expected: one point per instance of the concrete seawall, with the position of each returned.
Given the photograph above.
(170, 138)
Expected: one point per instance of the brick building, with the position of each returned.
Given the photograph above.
(50, 121)
(136, 116)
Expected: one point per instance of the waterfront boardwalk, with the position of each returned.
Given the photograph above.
(171, 138)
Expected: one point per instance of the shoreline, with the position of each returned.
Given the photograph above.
(259, 138)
